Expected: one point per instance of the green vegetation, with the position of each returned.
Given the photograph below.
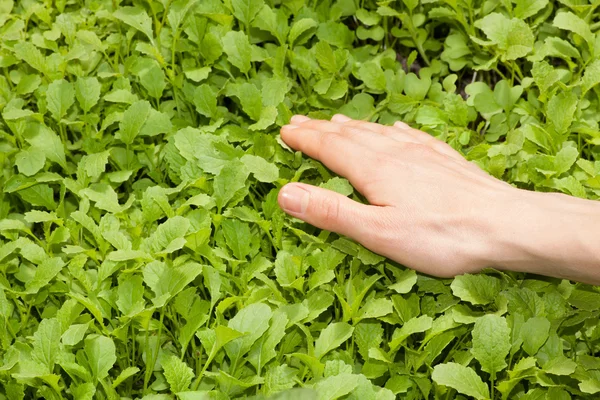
(142, 250)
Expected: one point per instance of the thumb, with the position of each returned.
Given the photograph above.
(329, 210)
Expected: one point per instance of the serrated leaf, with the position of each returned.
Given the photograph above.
(178, 374)
(30, 161)
(136, 18)
(491, 343)
(60, 97)
(476, 289)
(332, 337)
(571, 22)
(237, 47)
(463, 379)
(262, 170)
(246, 10)
(87, 91)
(133, 121)
(101, 355)
(205, 101)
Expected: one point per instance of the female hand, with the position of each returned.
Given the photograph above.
(430, 209)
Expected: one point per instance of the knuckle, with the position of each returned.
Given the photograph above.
(354, 123)
(327, 140)
(418, 150)
(389, 131)
(349, 131)
(329, 210)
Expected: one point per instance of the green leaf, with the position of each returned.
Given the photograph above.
(561, 111)
(230, 180)
(136, 18)
(60, 97)
(249, 96)
(45, 140)
(405, 282)
(44, 273)
(130, 293)
(412, 326)
(491, 343)
(373, 76)
(179, 10)
(368, 335)
(335, 387)
(166, 281)
(85, 391)
(124, 375)
(571, 22)
(288, 269)
(153, 79)
(104, 196)
(544, 75)
(280, 378)
(476, 289)
(262, 170)
(591, 76)
(463, 379)
(238, 237)
(178, 374)
(30, 161)
(209, 152)
(46, 343)
(534, 333)
(246, 10)
(101, 355)
(87, 91)
(561, 366)
(565, 159)
(253, 322)
(94, 164)
(133, 119)
(512, 36)
(263, 350)
(300, 31)
(274, 22)
(332, 337)
(39, 195)
(411, 4)
(528, 8)
(238, 50)
(205, 101)
(74, 334)
(27, 52)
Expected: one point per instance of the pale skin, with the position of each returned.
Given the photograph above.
(432, 210)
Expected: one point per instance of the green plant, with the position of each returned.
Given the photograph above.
(143, 252)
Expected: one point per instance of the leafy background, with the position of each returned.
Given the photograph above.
(143, 253)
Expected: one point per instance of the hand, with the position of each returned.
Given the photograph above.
(430, 209)
(429, 206)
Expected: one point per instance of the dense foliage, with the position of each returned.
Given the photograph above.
(143, 253)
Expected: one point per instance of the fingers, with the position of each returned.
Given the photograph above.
(330, 211)
(402, 132)
(358, 134)
(391, 132)
(342, 155)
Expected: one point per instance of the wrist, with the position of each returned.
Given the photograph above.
(548, 234)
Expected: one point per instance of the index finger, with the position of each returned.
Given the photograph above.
(339, 153)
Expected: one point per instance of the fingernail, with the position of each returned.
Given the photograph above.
(298, 119)
(340, 118)
(294, 199)
(289, 127)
